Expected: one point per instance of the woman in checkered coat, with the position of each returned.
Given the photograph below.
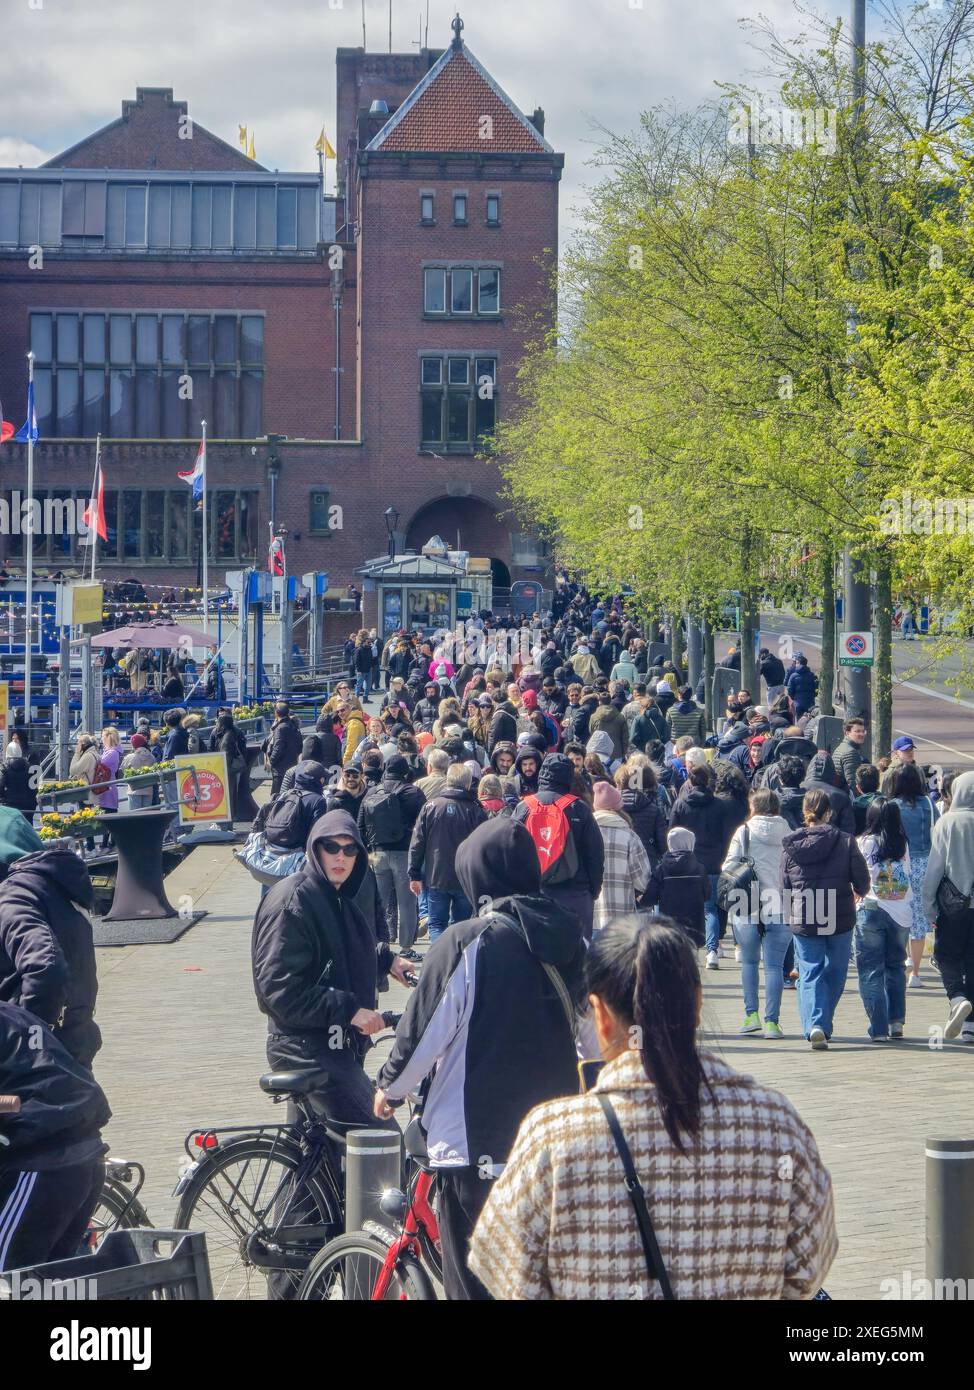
(739, 1198)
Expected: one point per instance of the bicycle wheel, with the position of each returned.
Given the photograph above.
(242, 1194)
(347, 1268)
(117, 1210)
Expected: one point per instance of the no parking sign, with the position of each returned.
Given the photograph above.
(855, 649)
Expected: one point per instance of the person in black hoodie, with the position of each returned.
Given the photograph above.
(288, 819)
(52, 1167)
(642, 805)
(820, 775)
(441, 827)
(316, 965)
(821, 869)
(576, 894)
(47, 953)
(490, 1020)
(18, 785)
(788, 786)
(680, 886)
(426, 711)
(527, 769)
(697, 809)
(282, 746)
(330, 743)
(386, 818)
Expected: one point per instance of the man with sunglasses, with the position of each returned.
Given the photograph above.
(316, 965)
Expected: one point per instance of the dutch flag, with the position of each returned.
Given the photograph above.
(197, 474)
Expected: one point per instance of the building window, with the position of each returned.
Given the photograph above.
(462, 291)
(144, 526)
(164, 374)
(460, 209)
(427, 209)
(435, 291)
(457, 402)
(318, 513)
(493, 210)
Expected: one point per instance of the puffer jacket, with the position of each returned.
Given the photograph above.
(821, 867)
(765, 835)
(697, 809)
(47, 954)
(648, 821)
(820, 775)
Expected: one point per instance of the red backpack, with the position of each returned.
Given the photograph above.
(552, 835)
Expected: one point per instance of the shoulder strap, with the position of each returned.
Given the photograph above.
(564, 998)
(651, 1250)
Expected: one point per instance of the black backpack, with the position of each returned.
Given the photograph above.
(285, 825)
(386, 818)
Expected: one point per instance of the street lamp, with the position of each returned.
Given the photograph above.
(392, 519)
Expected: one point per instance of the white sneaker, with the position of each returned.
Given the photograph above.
(713, 961)
(818, 1040)
(960, 1008)
(914, 982)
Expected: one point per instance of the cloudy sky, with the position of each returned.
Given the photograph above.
(269, 64)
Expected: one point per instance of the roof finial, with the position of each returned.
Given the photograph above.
(457, 26)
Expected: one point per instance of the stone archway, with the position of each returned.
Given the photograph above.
(465, 523)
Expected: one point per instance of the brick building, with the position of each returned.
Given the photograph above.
(347, 352)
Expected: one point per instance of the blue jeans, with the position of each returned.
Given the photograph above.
(772, 946)
(880, 953)
(711, 920)
(363, 684)
(823, 964)
(445, 909)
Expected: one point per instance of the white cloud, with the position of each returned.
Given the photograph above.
(14, 152)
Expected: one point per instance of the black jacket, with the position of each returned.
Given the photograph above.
(820, 867)
(283, 744)
(425, 713)
(47, 955)
(330, 745)
(555, 780)
(679, 888)
(820, 775)
(790, 801)
(16, 786)
(577, 718)
(772, 668)
(411, 802)
(527, 786)
(503, 727)
(441, 828)
(363, 657)
(306, 791)
(485, 1014)
(648, 821)
(62, 1107)
(697, 809)
(315, 959)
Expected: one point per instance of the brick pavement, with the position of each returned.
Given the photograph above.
(184, 1045)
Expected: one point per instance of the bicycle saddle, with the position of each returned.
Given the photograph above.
(296, 1083)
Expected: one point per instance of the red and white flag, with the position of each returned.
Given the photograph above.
(94, 513)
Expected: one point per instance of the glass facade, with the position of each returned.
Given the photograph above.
(132, 215)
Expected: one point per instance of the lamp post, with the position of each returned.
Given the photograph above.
(392, 520)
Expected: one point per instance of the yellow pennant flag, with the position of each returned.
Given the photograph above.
(250, 148)
(242, 136)
(322, 146)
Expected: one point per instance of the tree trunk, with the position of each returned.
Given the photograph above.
(826, 676)
(676, 642)
(708, 673)
(882, 723)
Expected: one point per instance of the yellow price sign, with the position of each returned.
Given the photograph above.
(4, 706)
(202, 787)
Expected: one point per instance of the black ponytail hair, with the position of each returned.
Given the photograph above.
(884, 823)
(646, 973)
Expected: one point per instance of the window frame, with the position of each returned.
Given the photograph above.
(427, 194)
(447, 392)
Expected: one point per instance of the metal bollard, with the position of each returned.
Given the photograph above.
(950, 1211)
(373, 1163)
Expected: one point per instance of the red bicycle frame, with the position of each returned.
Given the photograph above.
(419, 1214)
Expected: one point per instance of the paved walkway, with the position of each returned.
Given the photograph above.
(184, 1045)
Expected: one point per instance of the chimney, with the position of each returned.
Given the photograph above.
(537, 120)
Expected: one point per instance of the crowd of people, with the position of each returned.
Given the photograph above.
(571, 841)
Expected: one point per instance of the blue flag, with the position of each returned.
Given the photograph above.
(28, 430)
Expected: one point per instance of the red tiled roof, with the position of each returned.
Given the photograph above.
(448, 114)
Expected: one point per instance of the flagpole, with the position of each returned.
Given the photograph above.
(29, 585)
(206, 573)
(93, 507)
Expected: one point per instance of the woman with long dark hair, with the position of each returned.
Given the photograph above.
(729, 1172)
(883, 920)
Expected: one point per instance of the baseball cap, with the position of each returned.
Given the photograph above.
(902, 744)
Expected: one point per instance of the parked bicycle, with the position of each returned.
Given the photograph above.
(268, 1196)
(118, 1206)
(378, 1263)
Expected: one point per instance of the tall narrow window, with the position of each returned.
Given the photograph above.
(427, 205)
(435, 291)
(461, 298)
(489, 291)
(493, 210)
(460, 209)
